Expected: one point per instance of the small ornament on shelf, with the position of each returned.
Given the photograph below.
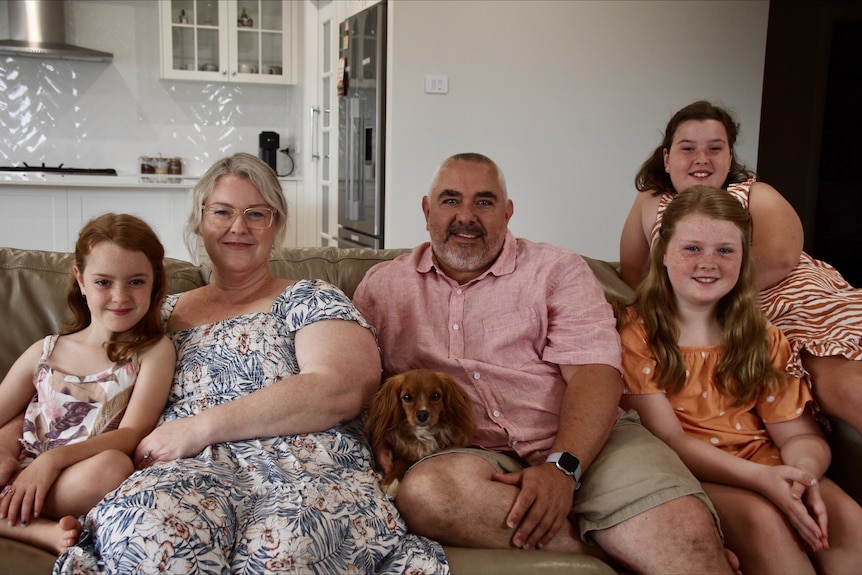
(183, 18)
(244, 19)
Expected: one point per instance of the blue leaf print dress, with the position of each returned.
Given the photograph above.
(306, 503)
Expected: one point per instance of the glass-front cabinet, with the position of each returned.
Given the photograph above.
(227, 40)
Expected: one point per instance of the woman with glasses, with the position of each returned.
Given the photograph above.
(258, 464)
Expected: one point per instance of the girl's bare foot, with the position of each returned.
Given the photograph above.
(70, 531)
(53, 536)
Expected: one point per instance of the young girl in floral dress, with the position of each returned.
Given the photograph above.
(94, 391)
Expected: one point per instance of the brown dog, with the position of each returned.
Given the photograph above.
(415, 414)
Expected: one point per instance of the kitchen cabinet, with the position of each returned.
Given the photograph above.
(248, 41)
(43, 213)
(164, 209)
(348, 8)
(34, 218)
(49, 217)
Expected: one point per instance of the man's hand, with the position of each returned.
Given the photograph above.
(542, 506)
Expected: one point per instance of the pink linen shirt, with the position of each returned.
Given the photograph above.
(502, 335)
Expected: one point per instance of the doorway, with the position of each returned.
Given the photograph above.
(837, 230)
(809, 120)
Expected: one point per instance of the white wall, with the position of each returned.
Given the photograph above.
(568, 97)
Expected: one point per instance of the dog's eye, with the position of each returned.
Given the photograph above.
(436, 396)
(407, 398)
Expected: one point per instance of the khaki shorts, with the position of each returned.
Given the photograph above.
(634, 472)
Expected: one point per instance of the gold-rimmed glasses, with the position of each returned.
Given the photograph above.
(255, 218)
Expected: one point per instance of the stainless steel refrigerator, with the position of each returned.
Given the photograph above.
(361, 80)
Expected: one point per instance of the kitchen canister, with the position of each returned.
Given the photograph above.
(161, 165)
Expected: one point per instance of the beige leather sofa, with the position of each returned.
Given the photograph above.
(32, 304)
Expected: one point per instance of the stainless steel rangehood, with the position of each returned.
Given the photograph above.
(37, 29)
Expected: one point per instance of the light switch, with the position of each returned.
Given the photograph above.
(436, 84)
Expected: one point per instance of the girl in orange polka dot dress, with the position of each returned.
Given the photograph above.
(707, 374)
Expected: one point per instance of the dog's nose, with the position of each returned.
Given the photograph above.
(422, 416)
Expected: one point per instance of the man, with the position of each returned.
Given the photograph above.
(525, 328)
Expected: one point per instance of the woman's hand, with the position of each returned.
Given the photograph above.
(797, 493)
(172, 440)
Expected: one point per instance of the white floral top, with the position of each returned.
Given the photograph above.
(70, 408)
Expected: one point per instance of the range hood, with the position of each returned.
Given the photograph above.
(37, 29)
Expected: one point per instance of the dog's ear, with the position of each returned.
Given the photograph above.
(385, 412)
(458, 405)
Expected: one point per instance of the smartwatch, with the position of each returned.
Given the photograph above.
(568, 464)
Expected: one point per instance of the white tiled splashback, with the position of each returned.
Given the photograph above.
(97, 115)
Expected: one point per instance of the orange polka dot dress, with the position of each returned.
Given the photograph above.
(706, 413)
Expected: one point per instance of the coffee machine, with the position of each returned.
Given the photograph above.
(269, 142)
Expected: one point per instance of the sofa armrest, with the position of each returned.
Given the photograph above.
(846, 467)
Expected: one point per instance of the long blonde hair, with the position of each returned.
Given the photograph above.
(745, 367)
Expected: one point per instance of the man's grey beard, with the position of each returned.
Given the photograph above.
(454, 259)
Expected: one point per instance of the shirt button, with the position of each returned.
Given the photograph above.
(496, 413)
(477, 375)
(459, 291)
(456, 327)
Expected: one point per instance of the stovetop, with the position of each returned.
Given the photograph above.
(61, 169)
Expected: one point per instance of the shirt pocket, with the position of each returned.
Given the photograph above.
(511, 339)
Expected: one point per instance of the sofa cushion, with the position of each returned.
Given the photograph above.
(609, 277)
(464, 561)
(21, 559)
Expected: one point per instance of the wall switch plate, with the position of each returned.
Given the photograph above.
(436, 84)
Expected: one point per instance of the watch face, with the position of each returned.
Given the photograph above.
(568, 462)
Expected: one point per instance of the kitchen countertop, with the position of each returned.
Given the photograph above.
(138, 181)
(91, 181)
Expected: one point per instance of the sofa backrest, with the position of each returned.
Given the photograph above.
(342, 267)
(345, 267)
(33, 284)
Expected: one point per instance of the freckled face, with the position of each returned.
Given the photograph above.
(703, 260)
(467, 215)
(698, 155)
